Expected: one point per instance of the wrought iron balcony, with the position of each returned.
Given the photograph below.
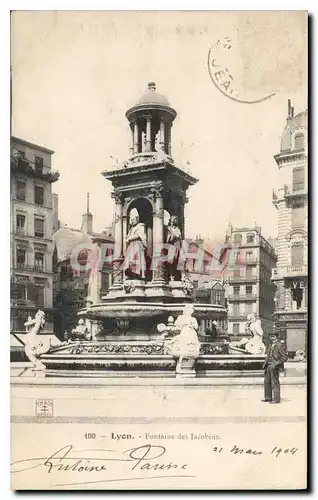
(35, 268)
(23, 166)
(242, 279)
(22, 303)
(242, 297)
(237, 317)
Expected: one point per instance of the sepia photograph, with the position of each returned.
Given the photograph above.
(158, 250)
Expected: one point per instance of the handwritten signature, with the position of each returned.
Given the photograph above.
(67, 458)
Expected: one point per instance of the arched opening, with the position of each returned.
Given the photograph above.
(237, 239)
(250, 238)
(145, 215)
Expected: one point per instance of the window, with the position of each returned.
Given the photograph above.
(38, 195)
(236, 310)
(299, 141)
(249, 290)
(236, 290)
(218, 297)
(39, 227)
(39, 296)
(237, 239)
(38, 165)
(21, 255)
(249, 271)
(298, 179)
(298, 214)
(21, 190)
(39, 260)
(249, 308)
(250, 238)
(20, 222)
(249, 255)
(236, 328)
(297, 254)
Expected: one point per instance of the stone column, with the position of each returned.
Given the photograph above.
(162, 135)
(183, 200)
(136, 137)
(148, 134)
(118, 237)
(159, 273)
(169, 140)
(132, 147)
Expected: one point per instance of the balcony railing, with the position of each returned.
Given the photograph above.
(289, 271)
(295, 189)
(242, 279)
(21, 230)
(243, 260)
(28, 268)
(23, 166)
(237, 317)
(296, 270)
(246, 296)
(23, 303)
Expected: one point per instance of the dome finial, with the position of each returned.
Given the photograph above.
(151, 86)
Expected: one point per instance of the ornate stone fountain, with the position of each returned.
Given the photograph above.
(149, 284)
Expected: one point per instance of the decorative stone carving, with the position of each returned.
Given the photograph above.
(80, 332)
(255, 344)
(129, 286)
(34, 346)
(117, 348)
(117, 196)
(123, 325)
(187, 285)
(185, 346)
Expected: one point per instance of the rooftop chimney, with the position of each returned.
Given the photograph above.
(87, 219)
(290, 111)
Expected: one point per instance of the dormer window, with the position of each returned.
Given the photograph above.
(250, 238)
(299, 142)
(237, 239)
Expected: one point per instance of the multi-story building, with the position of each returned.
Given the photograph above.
(291, 201)
(249, 286)
(31, 233)
(75, 287)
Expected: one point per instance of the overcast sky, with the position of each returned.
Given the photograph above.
(76, 73)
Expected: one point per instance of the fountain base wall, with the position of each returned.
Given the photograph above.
(143, 359)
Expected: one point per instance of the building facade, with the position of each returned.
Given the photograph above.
(31, 233)
(249, 286)
(291, 202)
(76, 287)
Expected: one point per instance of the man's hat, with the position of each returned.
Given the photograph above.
(276, 334)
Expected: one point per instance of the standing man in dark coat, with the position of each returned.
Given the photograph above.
(274, 363)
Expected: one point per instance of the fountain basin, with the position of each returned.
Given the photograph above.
(135, 309)
(140, 358)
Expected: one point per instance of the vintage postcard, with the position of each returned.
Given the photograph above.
(159, 250)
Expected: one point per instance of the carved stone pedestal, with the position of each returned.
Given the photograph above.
(186, 368)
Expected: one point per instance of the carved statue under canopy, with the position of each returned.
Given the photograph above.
(136, 239)
(174, 238)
